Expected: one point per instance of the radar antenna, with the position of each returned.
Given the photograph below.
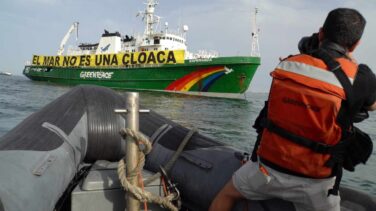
(148, 16)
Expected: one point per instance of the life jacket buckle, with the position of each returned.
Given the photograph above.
(243, 157)
(335, 68)
(321, 148)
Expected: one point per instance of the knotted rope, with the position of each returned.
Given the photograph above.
(125, 177)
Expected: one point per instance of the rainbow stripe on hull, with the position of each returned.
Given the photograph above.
(207, 75)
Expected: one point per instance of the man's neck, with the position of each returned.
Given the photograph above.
(335, 49)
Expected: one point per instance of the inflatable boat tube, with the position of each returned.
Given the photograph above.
(41, 155)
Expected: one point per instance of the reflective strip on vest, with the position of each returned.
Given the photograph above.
(311, 72)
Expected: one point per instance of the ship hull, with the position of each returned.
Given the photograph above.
(217, 77)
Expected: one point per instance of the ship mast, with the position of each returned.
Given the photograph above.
(255, 30)
(148, 16)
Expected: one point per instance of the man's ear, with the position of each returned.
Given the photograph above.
(352, 48)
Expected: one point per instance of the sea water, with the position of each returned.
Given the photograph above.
(226, 120)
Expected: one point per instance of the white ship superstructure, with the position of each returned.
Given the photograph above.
(153, 39)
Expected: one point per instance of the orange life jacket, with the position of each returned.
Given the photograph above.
(305, 99)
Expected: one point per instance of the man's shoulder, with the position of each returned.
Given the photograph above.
(363, 68)
(299, 57)
(281, 59)
(365, 84)
(365, 73)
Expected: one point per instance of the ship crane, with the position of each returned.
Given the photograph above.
(73, 27)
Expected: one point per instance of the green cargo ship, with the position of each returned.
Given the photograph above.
(157, 61)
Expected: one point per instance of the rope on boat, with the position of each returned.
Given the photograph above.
(174, 157)
(124, 176)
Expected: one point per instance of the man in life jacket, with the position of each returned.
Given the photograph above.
(306, 128)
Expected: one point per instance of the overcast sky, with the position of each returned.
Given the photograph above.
(37, 26)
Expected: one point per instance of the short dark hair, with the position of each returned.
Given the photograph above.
(344, 26)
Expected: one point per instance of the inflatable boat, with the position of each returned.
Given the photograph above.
(64, 157)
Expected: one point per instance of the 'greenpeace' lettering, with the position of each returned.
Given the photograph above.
(97, 75)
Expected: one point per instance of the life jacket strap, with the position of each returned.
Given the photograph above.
(259, 128)
(336, 159)
(254, 151)
(336, 68)
(338, 172)
(313, 145)
(336, 151)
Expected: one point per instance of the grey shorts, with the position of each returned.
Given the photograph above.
(305, 193)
